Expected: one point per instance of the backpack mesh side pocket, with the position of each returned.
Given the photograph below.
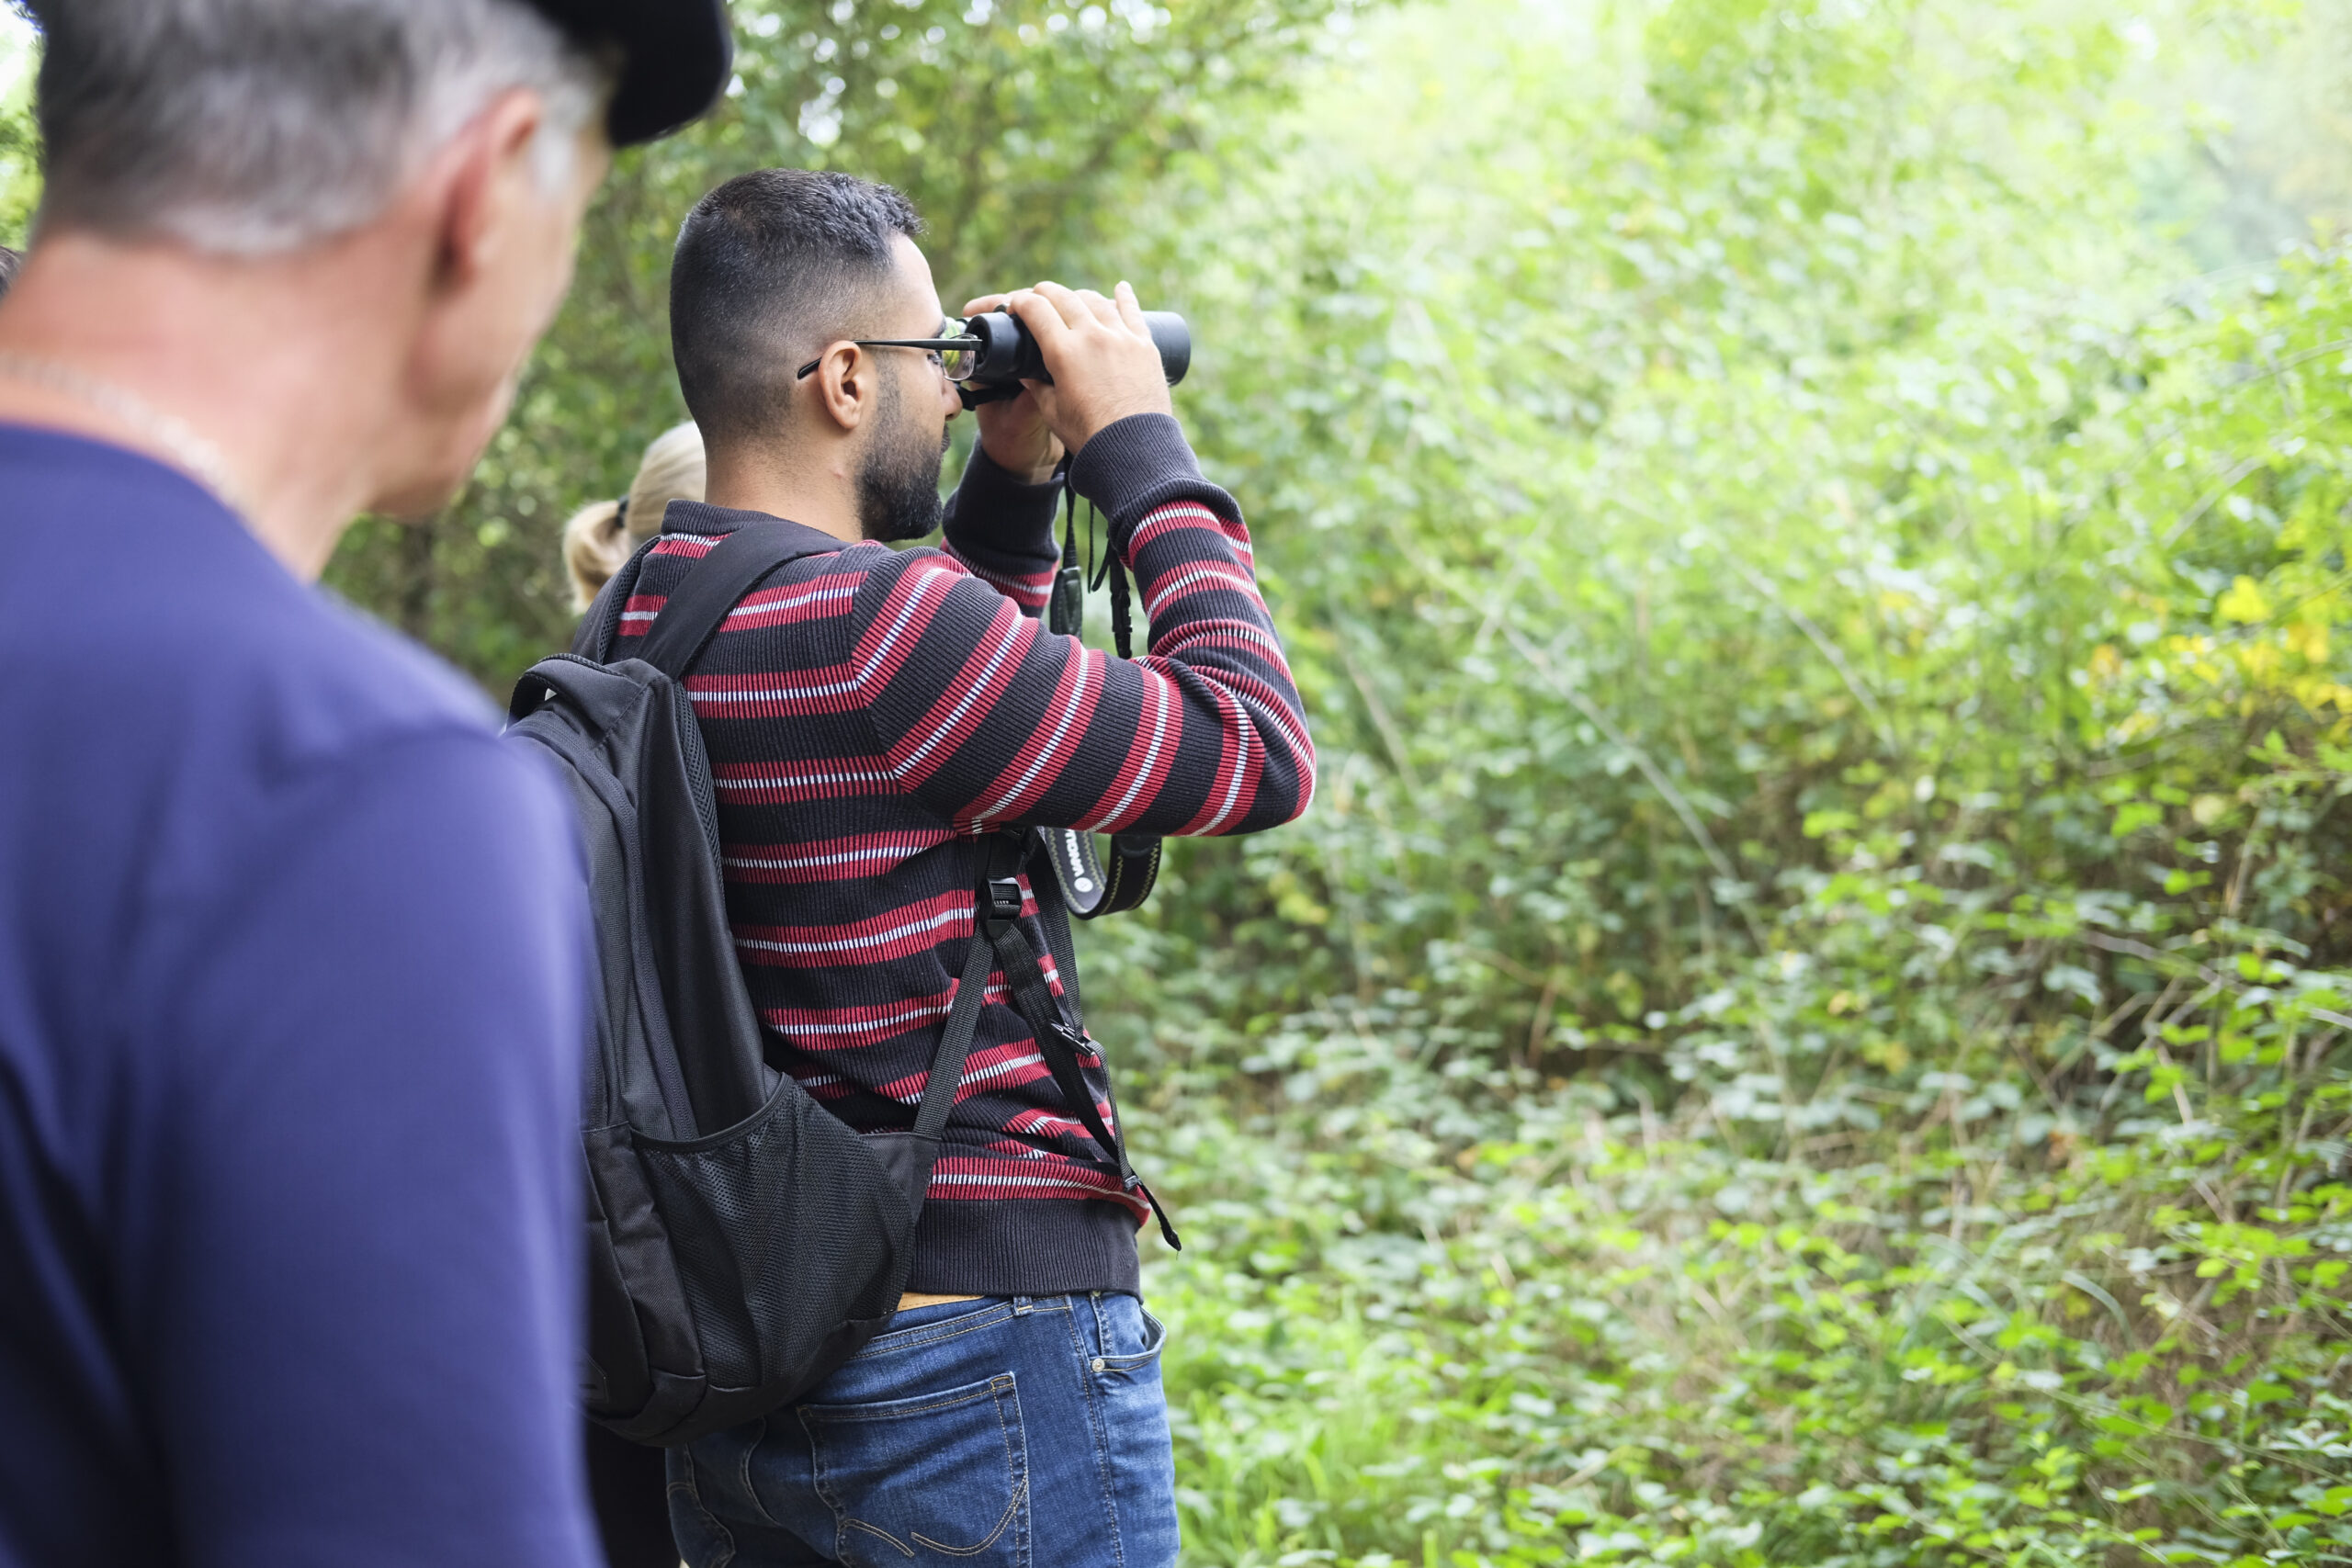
(775, 1249)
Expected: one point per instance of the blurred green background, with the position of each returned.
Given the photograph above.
(1808, 1021)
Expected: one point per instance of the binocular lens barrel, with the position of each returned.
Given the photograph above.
(1009, 354)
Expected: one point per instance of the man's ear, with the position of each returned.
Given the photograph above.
(480, 176)
(845, 387)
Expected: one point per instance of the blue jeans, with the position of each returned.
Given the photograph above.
(999, 1433)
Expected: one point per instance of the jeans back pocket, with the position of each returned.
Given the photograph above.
(940, 1477)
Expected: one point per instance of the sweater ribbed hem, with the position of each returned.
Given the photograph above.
(1029, 1247)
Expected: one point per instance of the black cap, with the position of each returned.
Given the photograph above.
(675, 57)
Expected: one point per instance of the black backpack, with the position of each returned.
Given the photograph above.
(743, 1241)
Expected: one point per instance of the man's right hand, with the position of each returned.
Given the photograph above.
(1105, 365)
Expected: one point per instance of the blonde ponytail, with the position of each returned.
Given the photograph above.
(600, 536)
(593, 549)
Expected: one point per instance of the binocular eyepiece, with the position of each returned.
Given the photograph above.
(996, 354)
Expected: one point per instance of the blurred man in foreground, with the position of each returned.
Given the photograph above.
(289, 974)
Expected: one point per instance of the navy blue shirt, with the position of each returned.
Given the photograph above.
(291, 970)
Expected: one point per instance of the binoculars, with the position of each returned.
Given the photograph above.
(995, 354)
(991, 354)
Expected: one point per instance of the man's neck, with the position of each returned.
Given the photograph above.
(820, 494)
(250, 362)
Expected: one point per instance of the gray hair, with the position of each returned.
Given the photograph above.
(250, 127)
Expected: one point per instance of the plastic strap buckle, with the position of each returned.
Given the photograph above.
(1004, 899)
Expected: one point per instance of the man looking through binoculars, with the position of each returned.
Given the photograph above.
(870, 715)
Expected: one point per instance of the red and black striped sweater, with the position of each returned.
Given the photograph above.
(868, 711)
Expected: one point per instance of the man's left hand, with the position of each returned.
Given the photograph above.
(1014, 432)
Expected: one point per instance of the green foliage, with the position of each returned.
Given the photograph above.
(1806, 1026)
(1559, 1331)
(19, 144)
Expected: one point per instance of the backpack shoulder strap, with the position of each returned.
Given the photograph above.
(997, 925)
(996, 859)
(717, 582)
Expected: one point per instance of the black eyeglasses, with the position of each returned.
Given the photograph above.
(956, 357)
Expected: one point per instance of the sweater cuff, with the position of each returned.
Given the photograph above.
(997, 521)
(1137, 463)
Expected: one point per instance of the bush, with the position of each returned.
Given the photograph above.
(1806, 1026)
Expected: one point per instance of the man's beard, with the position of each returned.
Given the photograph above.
(898, 484)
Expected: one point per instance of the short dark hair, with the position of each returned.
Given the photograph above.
(771, 267)
(9, 261)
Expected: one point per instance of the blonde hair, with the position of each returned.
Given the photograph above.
(600, 536)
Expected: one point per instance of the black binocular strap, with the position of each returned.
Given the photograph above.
(1089, 889)
(1127, 880)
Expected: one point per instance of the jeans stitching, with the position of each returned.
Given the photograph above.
(1091, 1392)
(847, 1524)
(1017, 1468)
(1141, 1358)
(1012, 1510)
(822, 1485)
(694, 1495)
(751, 1489)
(927, 1334)
(841, 1413)
(924, 1336)
(1018, 1465)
